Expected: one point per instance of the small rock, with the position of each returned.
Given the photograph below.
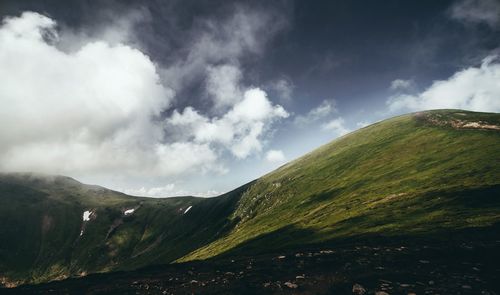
(300, 277)
(424, 261)
(411, 293)
(358, 289)
(266, 285)
(282, 257)
(404, 285)
(466, 287)
(194, 282)
(431, 283)
(291, 285)
(381, 293)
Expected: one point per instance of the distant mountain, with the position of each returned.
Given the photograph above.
(52, 227)
(422, 174)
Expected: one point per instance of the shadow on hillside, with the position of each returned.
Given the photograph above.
(293, 237)
(290, 239)
(283, 238)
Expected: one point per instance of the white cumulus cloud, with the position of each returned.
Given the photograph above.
(275, 156)
(94, 109)
(239, 130)
(336, 125)
(168, 190)
(473, 88)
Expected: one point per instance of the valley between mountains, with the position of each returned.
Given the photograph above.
(407, 205)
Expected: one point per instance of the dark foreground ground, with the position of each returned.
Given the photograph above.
(465, 263)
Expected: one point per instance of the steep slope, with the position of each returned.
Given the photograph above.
(420, 174)
(414, 174)
(52, 227)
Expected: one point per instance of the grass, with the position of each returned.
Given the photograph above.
(405, 175)
(412, 175)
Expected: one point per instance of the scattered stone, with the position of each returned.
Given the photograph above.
(194, 282)
(358, 289)
(282, 257)
(466, 287)
(411, 293)
(326, 251)
(266, 285)
(300, 277)
(381, 293)
(431, 283)
(291, 285)
(404, 285)
(424, 261)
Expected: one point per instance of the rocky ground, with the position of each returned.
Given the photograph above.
(391, 266)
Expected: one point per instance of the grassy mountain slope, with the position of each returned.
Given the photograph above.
(413, 174)
(419, 174)
(43, 235)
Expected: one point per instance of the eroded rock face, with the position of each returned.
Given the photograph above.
(456, 120)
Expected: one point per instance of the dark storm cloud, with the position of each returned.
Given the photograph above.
(109, 64)
(331, 65)
(325, 49)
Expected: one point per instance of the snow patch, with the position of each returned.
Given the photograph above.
(86, 215)
(187, 209)
(129, 211)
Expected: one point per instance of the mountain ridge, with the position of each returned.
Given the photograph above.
(420, 173)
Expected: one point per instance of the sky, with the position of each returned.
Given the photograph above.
(163, 98)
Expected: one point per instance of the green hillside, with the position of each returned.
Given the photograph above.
(417, 174)
(413, 174)
(44, 237)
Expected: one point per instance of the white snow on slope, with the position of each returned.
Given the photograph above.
(187, 209)
(129, 211)
(86, 215)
